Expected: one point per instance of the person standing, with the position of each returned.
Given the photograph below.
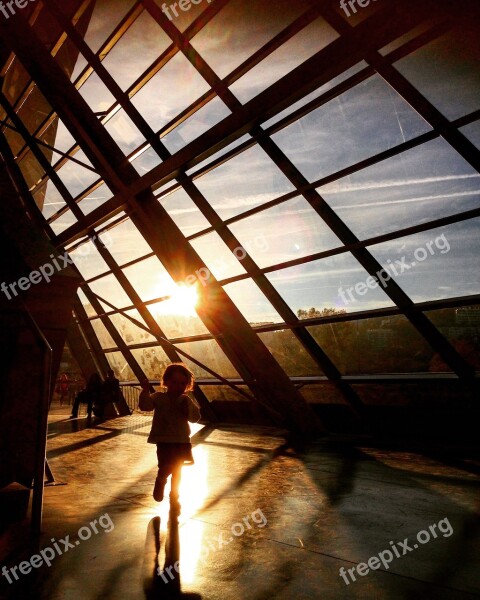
(90, 395)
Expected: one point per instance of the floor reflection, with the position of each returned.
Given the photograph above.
(166, 566)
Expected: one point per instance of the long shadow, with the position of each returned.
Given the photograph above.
(343, 482)
(111, 433)
(161, 577)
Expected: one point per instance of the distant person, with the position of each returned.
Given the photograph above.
(63, 385)
(170, 431)
(110, 390)
(90, 395)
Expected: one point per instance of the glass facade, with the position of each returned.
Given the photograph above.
(341, 236)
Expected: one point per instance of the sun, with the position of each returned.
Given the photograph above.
(182, 301)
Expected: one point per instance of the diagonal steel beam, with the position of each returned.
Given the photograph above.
(244, 348)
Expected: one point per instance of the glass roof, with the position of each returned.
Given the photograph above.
(222, 171)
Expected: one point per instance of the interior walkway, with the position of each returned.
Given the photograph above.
(256, 522)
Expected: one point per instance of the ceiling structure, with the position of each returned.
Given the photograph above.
(284, 195)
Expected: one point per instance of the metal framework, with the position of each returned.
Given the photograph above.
(351, 59)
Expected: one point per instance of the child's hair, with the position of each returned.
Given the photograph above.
(178, 368)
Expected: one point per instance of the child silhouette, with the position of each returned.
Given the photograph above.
(170, 430)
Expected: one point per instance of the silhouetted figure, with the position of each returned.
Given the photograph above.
(110, 393)
(90, 395)
(170, 429)
(63, 385)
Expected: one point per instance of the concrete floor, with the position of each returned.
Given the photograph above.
(256, 522)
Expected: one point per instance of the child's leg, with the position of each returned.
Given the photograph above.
(159, 486)
(176, 478)
(164, 470)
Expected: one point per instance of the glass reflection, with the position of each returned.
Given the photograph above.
(359, 123)
(285, 232)
(441, 263)
(245, 181)
(447, 71)
(425, 183)
(383, 345)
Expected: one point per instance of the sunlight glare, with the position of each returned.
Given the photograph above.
(183, 301)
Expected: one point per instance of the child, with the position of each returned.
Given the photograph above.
(170, 429)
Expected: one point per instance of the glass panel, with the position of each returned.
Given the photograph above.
(152, 361)
(31, 170)
(172, 90)
(63, 222)
(88, 260)
(150, 279)
(217, 155)
(108, 288)
(63, 138)
(294, 52)
(289, 353)
(202, 120)
(49, 200)
(79, 67)
(404, 39)
(16, 78)
(292, 230)
(124, 132)
(138, 48)
(316, 93)
(14, 139)
(441, 263)
(461, 327)
(373, 346)
(34, 110)
(245, 181)
(427, 182)
(131, 333)
(125, 243)
(217, 256)
(95, 198)
(252, 303)
(76, 178)
(361, 122)
(241, 28)
(224, 393)
(147, 161)
(209, 353)
(105, 18)
(328, 284)
(472, 132)
(86, 304)
(96, 94)
(177, 317)
(184, 212)
(447, 72)
(105, 339)
(117, 362)
(322, 394)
